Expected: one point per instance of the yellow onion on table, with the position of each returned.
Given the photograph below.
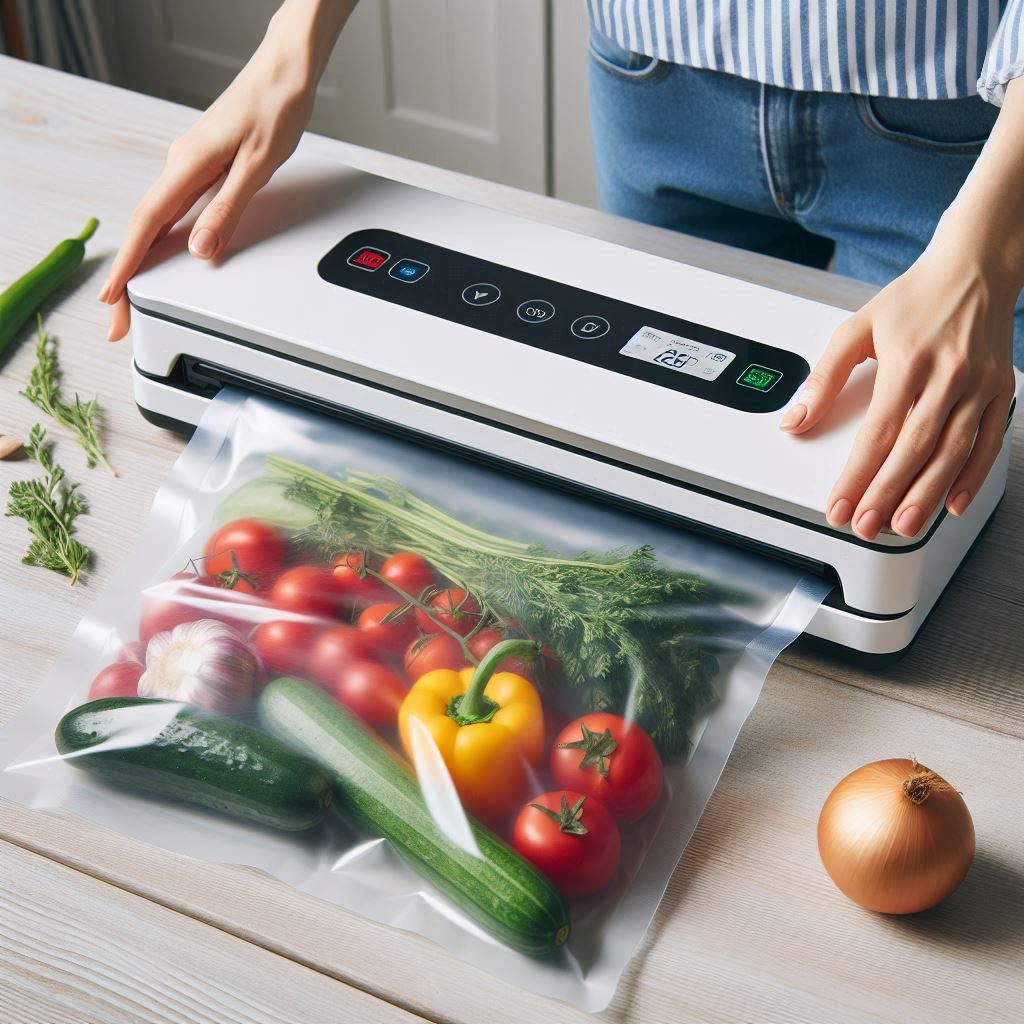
(895, 837)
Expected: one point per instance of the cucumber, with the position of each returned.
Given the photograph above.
(499, 890)
(170, 749)
(265, 498)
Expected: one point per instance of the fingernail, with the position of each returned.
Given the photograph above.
(909, 521)
(794, 417)
(958, 506)
(840, 512)
(203, 243)
(869, 523)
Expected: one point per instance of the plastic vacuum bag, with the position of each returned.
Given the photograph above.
(669, 634)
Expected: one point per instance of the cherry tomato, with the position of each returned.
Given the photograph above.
(335, 648)
(387, 639)
(370, 690)
(118, 680)
(134, 650)
(427, 653)
(308, 590)
(481, 642)
(166, 606)
(606, 757)
(571, 838)
(285, 646)
(246, 554)
(410, 573)
(186, 597)
(456, 608)
(241, 585)
(358, 589)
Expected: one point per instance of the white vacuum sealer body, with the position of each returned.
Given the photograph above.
(628, 375)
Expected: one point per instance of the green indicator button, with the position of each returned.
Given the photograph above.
(760, 378)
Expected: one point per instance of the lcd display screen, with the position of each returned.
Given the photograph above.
(677, 353)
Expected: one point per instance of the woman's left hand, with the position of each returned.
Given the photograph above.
(942, 334)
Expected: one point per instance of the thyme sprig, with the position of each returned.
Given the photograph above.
(49, 507)
(44, 391)
(620, 622)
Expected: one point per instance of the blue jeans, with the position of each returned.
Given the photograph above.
(808, 177)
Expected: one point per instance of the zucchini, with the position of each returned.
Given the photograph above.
(266, 498)
(499, 890)
(170, 749)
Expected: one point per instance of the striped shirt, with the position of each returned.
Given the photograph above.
(917, 49)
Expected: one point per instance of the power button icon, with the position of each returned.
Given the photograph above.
(590, 327)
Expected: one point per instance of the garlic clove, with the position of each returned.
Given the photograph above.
(204, 663)
(9, 444)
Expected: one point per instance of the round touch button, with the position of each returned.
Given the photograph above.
(590, 327)
(535, 311)
(481, 294)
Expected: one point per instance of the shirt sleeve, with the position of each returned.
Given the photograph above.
(1005, 58)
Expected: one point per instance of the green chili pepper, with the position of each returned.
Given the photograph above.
(26, 295)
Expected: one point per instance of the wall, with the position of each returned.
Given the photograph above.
(494, 88)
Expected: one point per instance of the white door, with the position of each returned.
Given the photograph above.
(456, 83)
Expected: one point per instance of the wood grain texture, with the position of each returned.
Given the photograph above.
(77, 949)
(750, 929)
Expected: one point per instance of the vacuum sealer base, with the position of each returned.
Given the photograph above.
(165, 403)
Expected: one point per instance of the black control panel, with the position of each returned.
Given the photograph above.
(672, 353)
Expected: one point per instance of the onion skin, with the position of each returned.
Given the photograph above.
(887, 852)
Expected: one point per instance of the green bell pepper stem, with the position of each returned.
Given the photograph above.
(473, 704)
(88, 231)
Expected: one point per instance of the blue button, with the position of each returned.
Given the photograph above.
(409, 270)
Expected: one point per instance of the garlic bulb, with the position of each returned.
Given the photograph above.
(204, 663)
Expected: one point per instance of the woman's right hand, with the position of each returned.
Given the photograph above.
(241, 139)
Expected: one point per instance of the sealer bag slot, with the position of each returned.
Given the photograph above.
(671, 632)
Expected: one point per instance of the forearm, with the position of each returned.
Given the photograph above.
(303, 33)
(984, 226)
(237, 144)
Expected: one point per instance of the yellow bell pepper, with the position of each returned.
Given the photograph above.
(488, 727)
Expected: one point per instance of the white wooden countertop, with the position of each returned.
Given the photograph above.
(98, 928)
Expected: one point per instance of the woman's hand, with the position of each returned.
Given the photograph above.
(942, 336)
(244, 136)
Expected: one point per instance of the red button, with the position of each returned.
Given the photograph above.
(369, 258)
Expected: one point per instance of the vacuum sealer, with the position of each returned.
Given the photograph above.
(625, 375)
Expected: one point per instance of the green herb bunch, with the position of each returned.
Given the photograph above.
(619, 622)
(44, 391)
(49, 507)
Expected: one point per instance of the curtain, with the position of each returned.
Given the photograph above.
(64, 34)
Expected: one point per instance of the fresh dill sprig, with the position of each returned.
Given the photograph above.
(49, 507)
(626, 628)
(79, 417)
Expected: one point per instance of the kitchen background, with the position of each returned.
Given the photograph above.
(493, 88)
